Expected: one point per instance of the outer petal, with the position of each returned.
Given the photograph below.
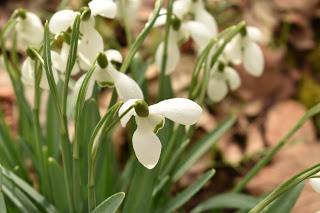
(315, 184)
(181, 7)
(254, 34)
(57, 61)
(233, 50)
(26, 28)
(27, 75)
(105, 8)
(89, 47)
(204, 17)
(103, 77)
(61, 21)
(217, 89)
(180, 110)
(173, 55)
(113, 55)
(146, 144)
(78, 84)
(199, 33)
(232, 77)
(126, 87)
(124, 120)
(253, 60)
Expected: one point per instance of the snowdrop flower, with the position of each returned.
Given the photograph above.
(150, 119)
(222, 76)
(60, 59)
(29, 29)
(105, 8)
(107, 75)
(244, 47)
(315, 183)
(28, 74)
(129, 11)
(190, 19)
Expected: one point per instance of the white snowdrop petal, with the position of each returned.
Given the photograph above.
(232, 77)
(181, 7)
(27, 75)
(146, 145)
(254, 33)
(126, 87)
(173, 55)
(124, 120)
(315, 184)
(113, 55)
(180, 110)
(233, 50)
(78, 84)
(217, 89)
(89, 46)
(253, 60)
(103, 76)
(61, 21)
(205, 18)
(105, 8)
(57, 61)
(199, 33)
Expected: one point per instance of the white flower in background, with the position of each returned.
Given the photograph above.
(222, 76)
(315, 183)
(125, 86)
(150, 119)
(60, 59)
(244, 48)
(28, 74)
(129, 11)
(29, 30)
(191, 19)
(105, 8)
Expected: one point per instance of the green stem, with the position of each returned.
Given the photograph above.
(280, 190)
(269, 155)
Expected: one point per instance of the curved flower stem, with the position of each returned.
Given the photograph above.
(308, 173)
(101, 128)
(269, 155)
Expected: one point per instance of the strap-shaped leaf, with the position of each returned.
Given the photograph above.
(285, 203)
(185, 195)
(27, 189)
(227, 200)
(111, 204)
(2, 203)
(202, 146)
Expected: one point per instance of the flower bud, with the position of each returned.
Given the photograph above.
(102, 60)
(141, 108)
(32, 53)
(176, 23)
(20, 13)
(85, 13)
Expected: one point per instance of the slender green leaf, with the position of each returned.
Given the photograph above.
(2, 202)
(202, 146)
(285, 203)
(227, 200)
(31, 192)
(111, 204)
(185, 195)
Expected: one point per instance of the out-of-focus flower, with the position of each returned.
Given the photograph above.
(28, 74)
(105, 8)
(222, 76)
(189, 19)
(29, 30)
(244, 48)
(150, 119)
(129, 11)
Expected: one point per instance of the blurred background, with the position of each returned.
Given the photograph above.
(267, 107)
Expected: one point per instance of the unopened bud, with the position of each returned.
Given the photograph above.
(102, 60)
(141, 108)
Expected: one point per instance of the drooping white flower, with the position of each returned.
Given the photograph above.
(105, 8)
(61, 21)
(315, 183)
(128, 11)
(191, 19)
(29, 30)
(244, 47)
(60, 59)
(125, 86)
(28, 74)
(222, 76)
(150, 119)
